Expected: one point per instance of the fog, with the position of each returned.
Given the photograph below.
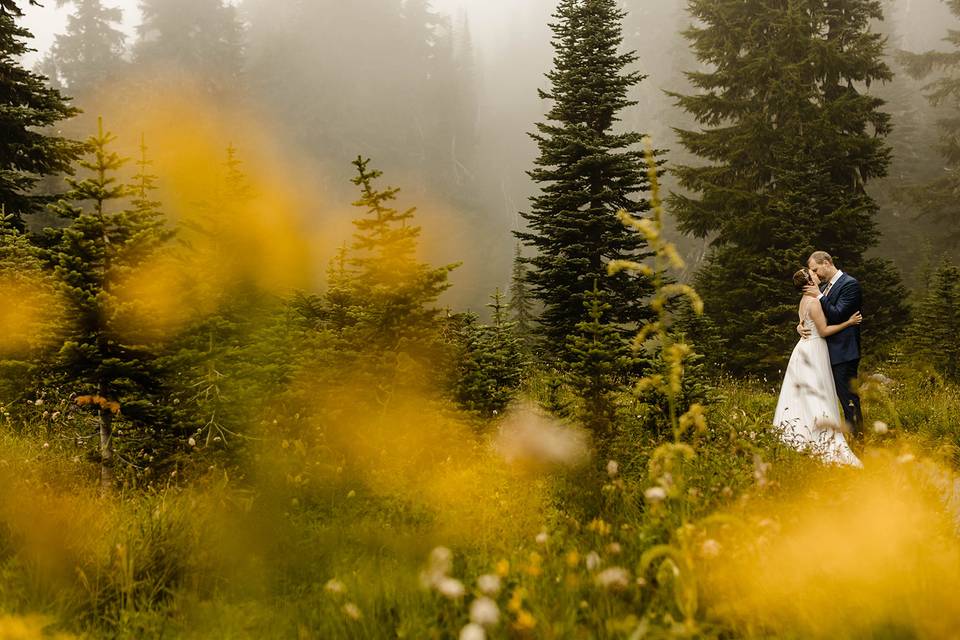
(341, 78)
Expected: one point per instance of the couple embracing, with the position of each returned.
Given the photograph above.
(817, 383)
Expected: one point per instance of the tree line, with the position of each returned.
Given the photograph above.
(787, 139)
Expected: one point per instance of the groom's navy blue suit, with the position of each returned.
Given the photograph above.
(842, 302)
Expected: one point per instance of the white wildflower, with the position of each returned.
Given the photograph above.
(529, 436)
(655, 494)
(441, 560)
(484, 611)
(352, 611)
(335, 586)
(473, 632)
(542, 537)
(192, 441)
(710, 548)
(489, 584)
(614, 578)
(880, 427)
(593, 560)
(450, 588)
(613, 468)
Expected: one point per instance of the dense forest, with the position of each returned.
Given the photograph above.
(321, 320)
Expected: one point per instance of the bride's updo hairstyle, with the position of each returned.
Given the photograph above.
(801, 279)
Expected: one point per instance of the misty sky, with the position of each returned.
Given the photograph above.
(491, 20)
(488, 19)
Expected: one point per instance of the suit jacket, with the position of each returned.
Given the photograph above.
(844, 300)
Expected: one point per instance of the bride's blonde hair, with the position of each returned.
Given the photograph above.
(802, 278)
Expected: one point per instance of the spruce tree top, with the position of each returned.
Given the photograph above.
(587, 171)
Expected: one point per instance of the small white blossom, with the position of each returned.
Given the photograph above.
(335, 586)
(473, 632)
(192, 441)
(593, 560)
(655, 494)
(880, 427)
(352, 611)
(613, 468)
(542, 537)
(484, 611)
(710, 548)
(450, 588)
(489, 584)
(614, 578)
(38, 402)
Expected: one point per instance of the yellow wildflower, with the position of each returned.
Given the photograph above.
(525, 621)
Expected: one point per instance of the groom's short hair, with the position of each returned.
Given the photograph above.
(821, 257)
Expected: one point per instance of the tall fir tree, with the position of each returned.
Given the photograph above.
(936, 200)
(903, 196)
(28, 150)
(99, 244)
(200, 40)
(89, 54)
(792, 142)
(587, 171)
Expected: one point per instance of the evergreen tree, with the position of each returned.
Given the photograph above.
(599, 359)
(936, 200)
(29, 319)
(935, 334)
(199, 39)
(90, 52)
(11, 7)
(384, 296)
(587, 172)
(491, 363)
(520, 306)
(27, 152)
(100, 244)
(384, 268)
(902, 196)
(792, 143)
(212, 356)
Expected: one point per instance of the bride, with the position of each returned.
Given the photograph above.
(808, 413)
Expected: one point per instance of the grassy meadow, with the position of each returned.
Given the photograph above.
(739, 537)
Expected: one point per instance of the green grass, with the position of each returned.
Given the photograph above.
(225, 559)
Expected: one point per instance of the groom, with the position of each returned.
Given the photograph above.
(840, 299)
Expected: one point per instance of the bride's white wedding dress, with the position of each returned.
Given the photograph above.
(808, 412)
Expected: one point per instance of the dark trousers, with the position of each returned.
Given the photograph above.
(843, 374)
